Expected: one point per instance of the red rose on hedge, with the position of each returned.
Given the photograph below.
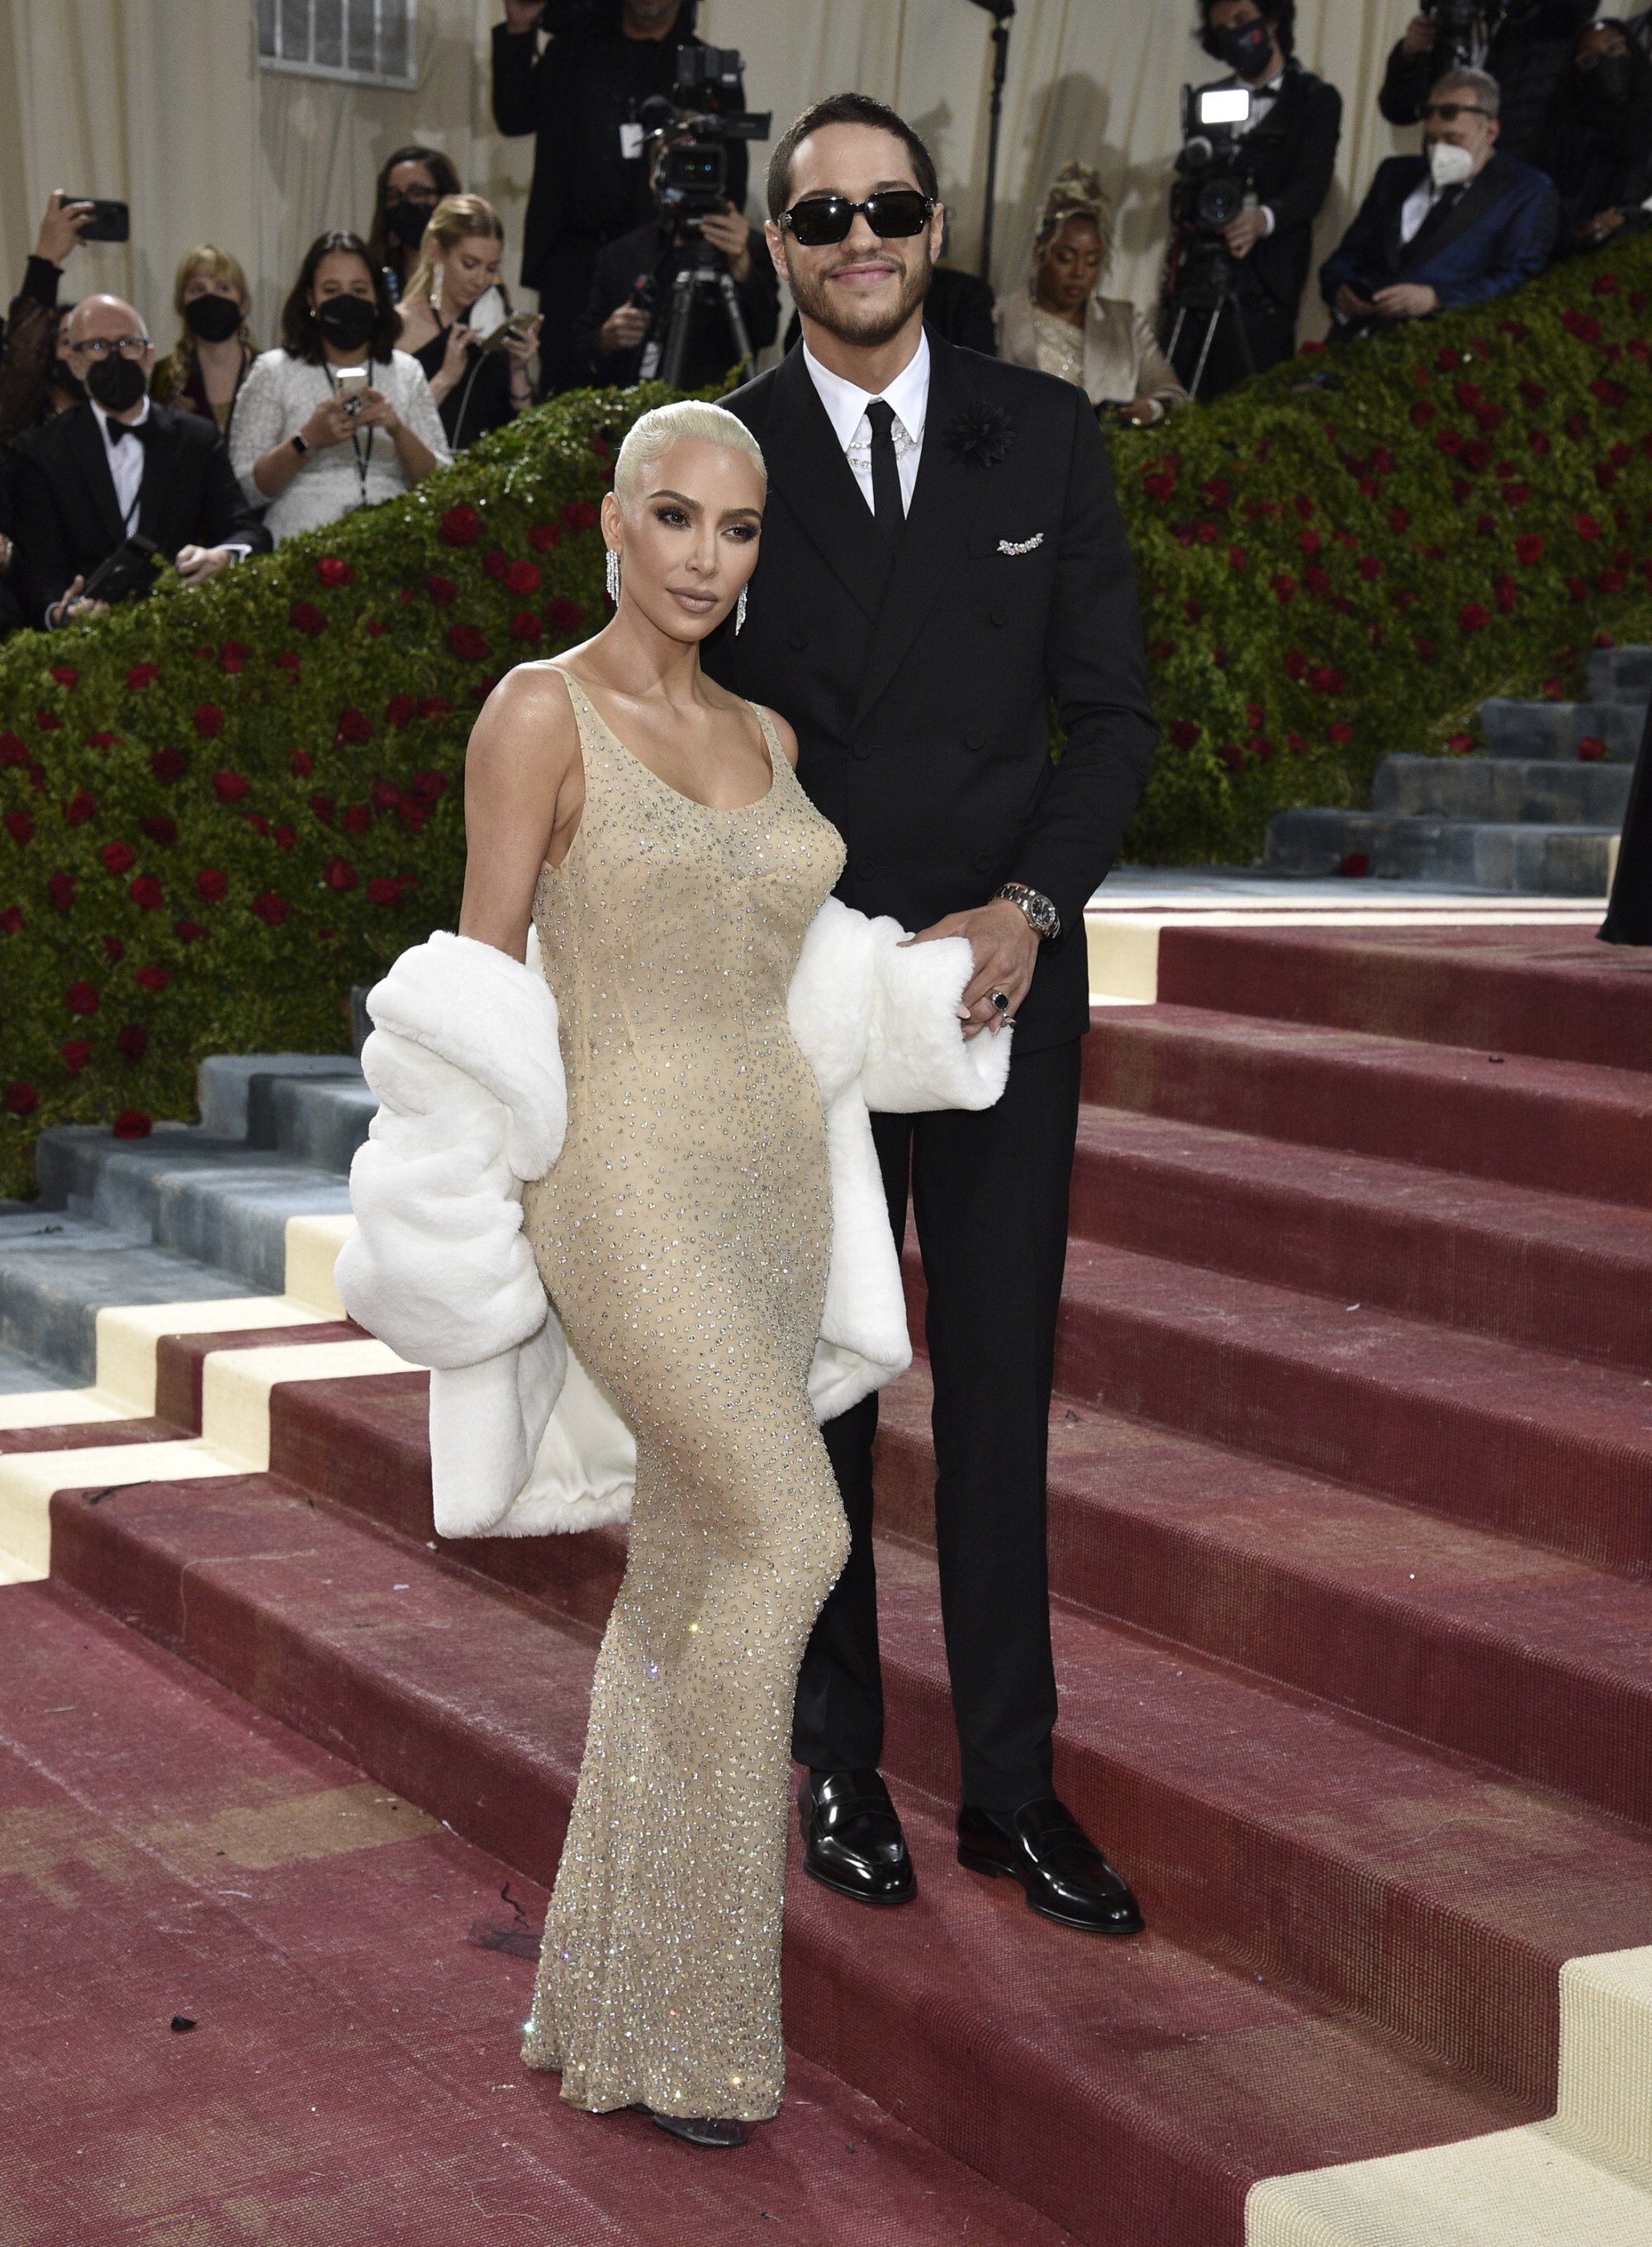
(282, 836)
(322, 806)
(496, 563)
(1503, 589)
(1340, 730)
(82, 805)
(466, 642)
(1399, 518)
(1184, 731)
(76, 1053)
(82, 999)
(10, 920)
(48, 721)
(114, 948)
(232, 656)
(12, 751)
(542, 535)
(525, 625)
(460, 526)
(268, 907)
(133, 1040)
(140, 675)
(381, 892)
(1586, 526)
(306, 617)
(354, 725)
(1284, 587)
(153, 978)
(1580, 325)
(1296, 664)
(1326, 678)
(19, 827)
(145, 893)
(1590, 748)
(168, 764)
(300, 763)
(21, 1099)
(400, 711)
(442, 590)
(230, 787)
(580, 515)
(118, 857)
(434, 706)
(210, 885)
(385, 794)
(339, 874)
(430, 785)
(208, 719)
(61, 889)
(523, 577)
(333, 570)
(357, 819)
(1471, 617)
(132, 1124)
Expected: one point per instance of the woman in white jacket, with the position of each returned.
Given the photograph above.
(697, 1196)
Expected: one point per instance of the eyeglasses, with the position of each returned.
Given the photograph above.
(426, 198)
(892, 214)
(1448, 111)
(101, 346)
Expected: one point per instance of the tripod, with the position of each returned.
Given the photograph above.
(705, 281)
(1208, 288)
(1000, 11)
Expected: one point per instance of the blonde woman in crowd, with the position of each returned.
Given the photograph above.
(1061, 324)
(203, 371)
(453, 306)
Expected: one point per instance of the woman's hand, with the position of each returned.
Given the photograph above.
(60, 228)
(378, 413)
(1142, 412)
(462, 341)
(1005, 951)
(330, 424)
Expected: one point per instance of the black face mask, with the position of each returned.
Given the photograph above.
(214, 319)
(406, 222)
(1247, 46)
(117, 382)
(1610, 81)
(347, 322)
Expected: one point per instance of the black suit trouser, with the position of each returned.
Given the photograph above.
(989, 1192)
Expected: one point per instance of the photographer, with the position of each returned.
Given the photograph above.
(1288, 150)
(621, 339)
(1524, 44)
(118, 465)
(605, 59)
(34, 381)
(1458, 225)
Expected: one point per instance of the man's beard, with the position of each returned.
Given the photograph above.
(809, 295)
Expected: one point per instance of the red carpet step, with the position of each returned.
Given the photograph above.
(1119, 2087)
(1556, 992)
(351, 2079)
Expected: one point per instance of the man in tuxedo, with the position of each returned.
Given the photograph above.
(1456, 225)
(942, 560)
(88, 479)
(1289, 147)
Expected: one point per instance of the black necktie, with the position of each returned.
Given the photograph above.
(1438, 211)
(886, 499)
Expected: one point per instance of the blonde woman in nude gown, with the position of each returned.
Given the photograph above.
(651, 824)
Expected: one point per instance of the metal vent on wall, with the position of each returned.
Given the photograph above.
(369, 42)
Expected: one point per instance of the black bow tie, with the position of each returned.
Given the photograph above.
(119, 429)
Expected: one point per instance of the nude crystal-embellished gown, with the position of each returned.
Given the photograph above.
(684, 1236)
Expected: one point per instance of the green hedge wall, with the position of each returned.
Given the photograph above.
(222, 808)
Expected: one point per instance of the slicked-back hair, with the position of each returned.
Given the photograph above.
(652, 434)
(845, 109)
(1281, 14)
(301, 336)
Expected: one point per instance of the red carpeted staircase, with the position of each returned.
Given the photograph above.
(1351, 1516)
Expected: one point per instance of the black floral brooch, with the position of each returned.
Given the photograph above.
(982, 435)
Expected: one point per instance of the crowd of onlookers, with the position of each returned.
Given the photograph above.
(401, 346)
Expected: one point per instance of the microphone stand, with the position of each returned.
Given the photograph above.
(1000, 11)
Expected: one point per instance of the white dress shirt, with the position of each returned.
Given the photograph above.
(125, 464)
(846, 404)
(1418, 204)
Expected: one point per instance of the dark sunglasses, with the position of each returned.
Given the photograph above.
(1448, 111)
(892, 213)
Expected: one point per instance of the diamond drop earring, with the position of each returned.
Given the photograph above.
(740, 613)
(614, 577)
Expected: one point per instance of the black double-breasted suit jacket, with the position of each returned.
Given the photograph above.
(920, 678)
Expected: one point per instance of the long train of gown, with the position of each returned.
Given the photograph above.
(684, 1237)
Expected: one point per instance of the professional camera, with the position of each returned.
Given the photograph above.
(707, 109)
(1212, 170)
(1463, 29)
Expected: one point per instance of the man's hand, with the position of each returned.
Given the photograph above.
(727, 231)
(523, 15)
(68, 608)
(196, 563)
(1418, 37)
(1597, 228)
(1405, 300)
(623, 330)
(1242, 234)
(60, 228)
(1006, 953)
(1354, 304)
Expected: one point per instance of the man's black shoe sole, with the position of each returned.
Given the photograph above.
(994, 1871)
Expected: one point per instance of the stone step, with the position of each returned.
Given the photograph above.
(1619, 674)
(1529, 790)
(1542, 860)
(1518, 729)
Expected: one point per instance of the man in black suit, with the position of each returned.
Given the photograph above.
(942, 559)
(1289, 144)
(603, 59)
(88, 479)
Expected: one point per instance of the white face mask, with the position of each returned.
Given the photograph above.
(1450, 166)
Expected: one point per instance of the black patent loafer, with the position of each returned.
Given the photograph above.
(852, 1840)
(706, 2130)
(1066, 1877)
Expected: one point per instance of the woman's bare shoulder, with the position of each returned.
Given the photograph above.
(784, 733)
(528, 718)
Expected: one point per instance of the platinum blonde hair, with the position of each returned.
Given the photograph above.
(653, 435)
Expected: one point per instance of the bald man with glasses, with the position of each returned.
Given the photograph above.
(119, 466)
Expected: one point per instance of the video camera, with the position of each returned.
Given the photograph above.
(1213, 166)
(1461, 27)
(705, 109)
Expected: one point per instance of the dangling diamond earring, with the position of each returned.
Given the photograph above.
(740, 613)
(614, 577)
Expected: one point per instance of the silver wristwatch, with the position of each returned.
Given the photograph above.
(1041, 916)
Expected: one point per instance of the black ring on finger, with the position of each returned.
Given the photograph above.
(1000, 999)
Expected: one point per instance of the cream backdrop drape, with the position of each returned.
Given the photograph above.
(161, 102)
